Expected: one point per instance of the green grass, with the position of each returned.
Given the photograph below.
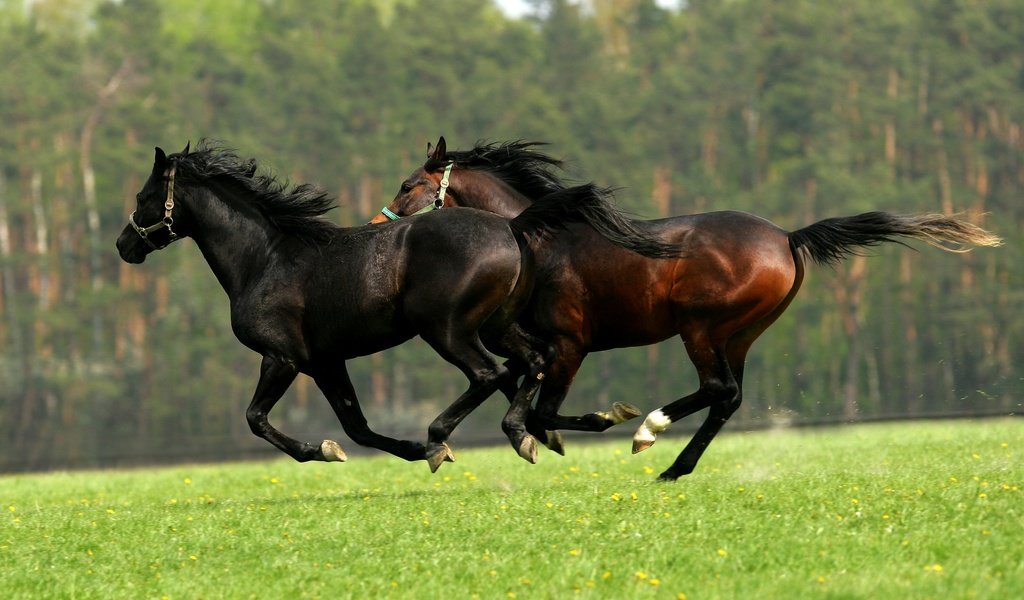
(913, 510)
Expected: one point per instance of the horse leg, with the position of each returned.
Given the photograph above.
(275, 377)
(558, 377)
(485, 376)
(532, 352)
(725, 379)
(718, 390)
(551, 439)
(337, 388)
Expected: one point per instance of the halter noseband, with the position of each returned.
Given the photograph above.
(167, 221)
(438, 202)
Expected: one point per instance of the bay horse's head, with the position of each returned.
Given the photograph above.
(425, 190)
(503, 178)
(152, 225)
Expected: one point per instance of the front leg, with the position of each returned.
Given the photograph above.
(560, 373)
(337, 387)
(276, 374)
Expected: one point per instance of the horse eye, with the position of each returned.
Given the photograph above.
(406, 188)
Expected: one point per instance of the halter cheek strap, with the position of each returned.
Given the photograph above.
(443, 187)
(167, 221)
(438, 202)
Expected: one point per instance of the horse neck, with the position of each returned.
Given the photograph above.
(234, 237)
(476, 189)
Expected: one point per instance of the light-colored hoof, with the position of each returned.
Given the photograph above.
(643, 439)
(555, 442)
(620, 413)
(332, 451)
(641, 445)
(528, 448)
(441, 456)
(655, 423)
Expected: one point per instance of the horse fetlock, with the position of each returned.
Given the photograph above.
(332, 452)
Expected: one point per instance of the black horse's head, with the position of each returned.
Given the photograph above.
(152, 225)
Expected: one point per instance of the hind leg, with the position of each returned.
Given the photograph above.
(719, 390)
(720, 411)
(729, 380)
(485, 376)
(336, 385)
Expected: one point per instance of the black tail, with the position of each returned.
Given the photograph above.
(830, 241)
(589, 204)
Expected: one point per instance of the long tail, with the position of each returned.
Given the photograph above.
(589, 204)
(830, 241)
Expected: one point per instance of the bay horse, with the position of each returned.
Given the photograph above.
(308, 295)
(735, 274)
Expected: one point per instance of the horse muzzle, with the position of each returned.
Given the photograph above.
(131, 247)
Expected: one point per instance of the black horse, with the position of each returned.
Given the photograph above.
(308, 295)
(734, 274)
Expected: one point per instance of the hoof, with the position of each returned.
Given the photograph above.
(444, 454)
(643, 439)
(332, 451)
(528, 448)
(620, 413)
(668, 477)
(641, 445)
(555, 442)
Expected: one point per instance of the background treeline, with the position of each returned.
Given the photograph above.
(794, 110)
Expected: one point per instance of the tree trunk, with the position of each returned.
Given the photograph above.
(92, 121)
(849, 294)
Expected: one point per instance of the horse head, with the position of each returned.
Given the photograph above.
(425, 190)
(152, 226)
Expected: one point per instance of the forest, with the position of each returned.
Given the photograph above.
(793, 110)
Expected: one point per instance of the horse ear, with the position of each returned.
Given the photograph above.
(187, 145)
(161, 156)
(439, 152)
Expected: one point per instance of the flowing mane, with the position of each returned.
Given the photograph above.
(518, 164)
(296, 211)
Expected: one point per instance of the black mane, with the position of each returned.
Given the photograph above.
(529, 172)
(296, 211)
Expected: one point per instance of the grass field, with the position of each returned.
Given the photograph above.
(901, 510)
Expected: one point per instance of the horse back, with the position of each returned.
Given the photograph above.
(732, 263)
